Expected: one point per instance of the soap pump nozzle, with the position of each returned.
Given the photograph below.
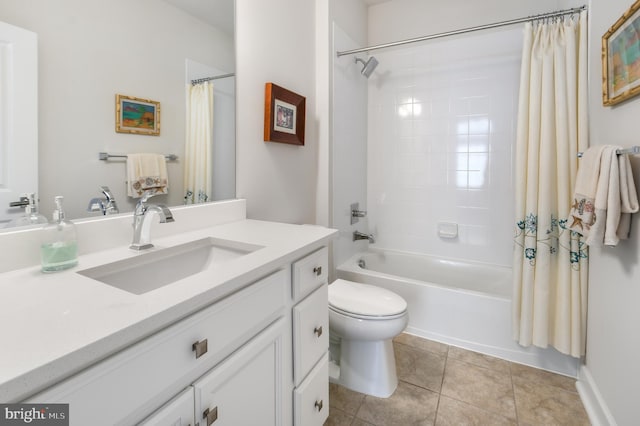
(58, 213)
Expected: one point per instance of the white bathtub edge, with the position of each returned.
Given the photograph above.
(594, 404)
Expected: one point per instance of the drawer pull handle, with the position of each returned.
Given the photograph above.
(318, 270)
(319, 405)
(210, 415)
(200, 347)
(318, 331)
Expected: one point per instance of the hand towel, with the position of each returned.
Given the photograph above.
(146, 171)
(604, 197)
(628, 197)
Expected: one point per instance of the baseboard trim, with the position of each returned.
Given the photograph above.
(594, 404)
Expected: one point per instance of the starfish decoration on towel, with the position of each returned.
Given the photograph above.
(576, 204)
(576, 221)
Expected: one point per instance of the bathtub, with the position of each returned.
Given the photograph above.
(460, 303)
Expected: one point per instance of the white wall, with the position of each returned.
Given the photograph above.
(349, 147)
(88, 52)
(352, 16)
(401, 19)
(275, 43)
(613, 340)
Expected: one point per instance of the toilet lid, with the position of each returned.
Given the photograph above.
(364, 299)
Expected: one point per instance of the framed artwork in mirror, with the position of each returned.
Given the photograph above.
(621, 58)
(284, 115)
(137, 115)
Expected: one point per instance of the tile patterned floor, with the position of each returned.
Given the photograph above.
(444, 385)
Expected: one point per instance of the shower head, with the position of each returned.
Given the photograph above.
(369, 65)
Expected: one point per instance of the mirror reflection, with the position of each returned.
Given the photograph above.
(89, 52)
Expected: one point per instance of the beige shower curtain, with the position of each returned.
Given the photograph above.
(198, 140)
(550, 262)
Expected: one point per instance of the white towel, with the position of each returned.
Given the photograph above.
(604, 197)
(146, 171)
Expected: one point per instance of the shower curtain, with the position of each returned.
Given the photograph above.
(550, 261)
(198, 140)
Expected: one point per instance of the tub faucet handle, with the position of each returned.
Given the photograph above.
(357, 235)
(356, 213)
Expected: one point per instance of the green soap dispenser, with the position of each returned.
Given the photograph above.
(59, 250)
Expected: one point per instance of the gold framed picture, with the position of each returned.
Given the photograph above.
(621, 58)
(137, 115)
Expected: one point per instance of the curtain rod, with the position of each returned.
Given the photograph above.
(202, 80)
(465, 30)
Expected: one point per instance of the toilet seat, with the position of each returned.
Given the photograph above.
(365, 301)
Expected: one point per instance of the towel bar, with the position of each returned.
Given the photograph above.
(632, 150)
(104, 156)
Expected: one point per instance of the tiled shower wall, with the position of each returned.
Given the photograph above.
(441, 135)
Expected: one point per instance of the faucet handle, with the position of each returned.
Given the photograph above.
(148, 194)
(96, 205)
(23, 202)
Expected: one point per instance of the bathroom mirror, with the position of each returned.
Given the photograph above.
(88, 52)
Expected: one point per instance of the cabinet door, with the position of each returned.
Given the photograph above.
(245, 389)
(177, 412)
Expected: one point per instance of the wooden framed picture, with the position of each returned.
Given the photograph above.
(137, 115)
(284, 115)
(621, 58)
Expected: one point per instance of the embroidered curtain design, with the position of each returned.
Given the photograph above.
(550, 261)
(198, 141)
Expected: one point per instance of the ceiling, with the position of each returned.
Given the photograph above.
(219, 13)
(372, 2)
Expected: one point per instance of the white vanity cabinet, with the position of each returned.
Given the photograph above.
(310, 339)
(255, 357)
(132, 384)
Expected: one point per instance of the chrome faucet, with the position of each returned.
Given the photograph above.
(142, 225)
(357, 235)
(106, 205)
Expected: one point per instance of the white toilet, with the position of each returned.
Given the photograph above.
(363, 320)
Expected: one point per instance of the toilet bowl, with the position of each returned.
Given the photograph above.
(363, 320)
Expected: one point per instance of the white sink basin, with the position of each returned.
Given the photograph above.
(149, 271)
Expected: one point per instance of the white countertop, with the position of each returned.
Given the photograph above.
(54, 325)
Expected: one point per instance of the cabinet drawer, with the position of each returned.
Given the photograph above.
(130, 384)
(310, 332)
(311, 398)
(309, 273)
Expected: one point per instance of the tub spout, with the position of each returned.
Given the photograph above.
(357, 235)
